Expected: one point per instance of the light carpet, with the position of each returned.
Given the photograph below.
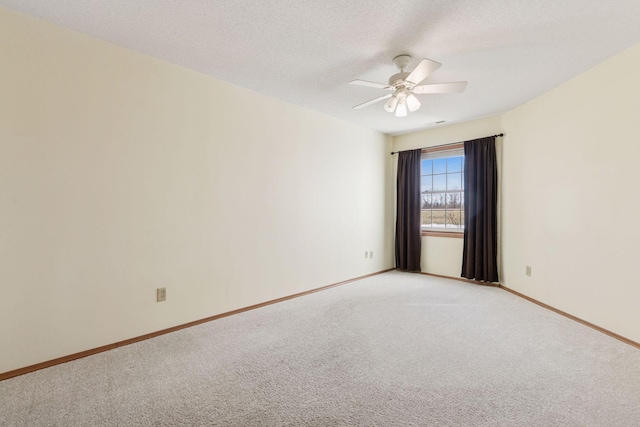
(395, 349)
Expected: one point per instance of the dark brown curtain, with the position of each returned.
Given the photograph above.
(479, 259)
(408, 221)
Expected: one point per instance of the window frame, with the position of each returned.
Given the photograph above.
(443, 232)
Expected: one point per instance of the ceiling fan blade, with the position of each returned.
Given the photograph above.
(452, 87)
(373, 101)
(370, 84)
(422, 71)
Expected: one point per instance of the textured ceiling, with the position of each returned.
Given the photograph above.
(305, 52)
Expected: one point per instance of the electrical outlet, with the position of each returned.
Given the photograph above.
(366, 254)
(528, 271)
(370, 254)
(161, 294)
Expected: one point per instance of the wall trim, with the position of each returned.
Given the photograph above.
(64, 359)
(574, 318)
(461, 279)
(547, 306)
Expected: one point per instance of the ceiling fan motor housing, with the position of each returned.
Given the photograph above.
(402, 61)
(398, 80)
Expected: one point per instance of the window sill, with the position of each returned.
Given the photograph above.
(454, 234)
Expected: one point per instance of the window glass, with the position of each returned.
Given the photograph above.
(454, 164)
(439, 182)
(426, 217)
(426, 183)
(439, 165)
(426, 166)
(442, 181)
(426, 201)
(438, 218)
(454, 181)
(453, 201)
(454, 219)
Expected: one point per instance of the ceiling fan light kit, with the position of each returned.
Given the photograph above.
(413, 103)
(391, 104)
(401, 109)
(405, 85)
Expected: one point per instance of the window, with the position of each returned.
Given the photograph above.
(442, 189)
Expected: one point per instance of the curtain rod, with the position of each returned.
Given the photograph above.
(444, 145)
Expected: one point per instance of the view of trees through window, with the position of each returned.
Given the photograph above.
(443, 192)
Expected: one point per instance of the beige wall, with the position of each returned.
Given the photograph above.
(443, 255)
(570, 194)
(121, 173)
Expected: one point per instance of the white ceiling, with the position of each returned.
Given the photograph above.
(305, 52)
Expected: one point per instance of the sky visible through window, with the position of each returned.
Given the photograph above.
(442, 191)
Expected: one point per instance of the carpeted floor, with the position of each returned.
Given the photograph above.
(395, 349)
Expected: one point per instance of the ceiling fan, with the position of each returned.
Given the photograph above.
(405, 86)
